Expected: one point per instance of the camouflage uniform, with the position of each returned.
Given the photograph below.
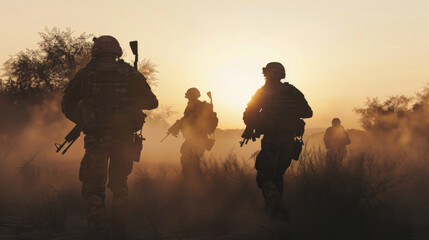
(276, 109)
(336, 139)
(103, 142)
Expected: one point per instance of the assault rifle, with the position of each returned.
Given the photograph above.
(249, 133)
(174, 129)
(70, 139)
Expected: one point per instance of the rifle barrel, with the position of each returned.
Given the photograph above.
(165, 137)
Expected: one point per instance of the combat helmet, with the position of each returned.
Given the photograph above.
(275, 67)
(192, 93)
(336, 121)
(106, 44)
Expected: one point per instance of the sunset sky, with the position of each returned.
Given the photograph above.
(337, 53)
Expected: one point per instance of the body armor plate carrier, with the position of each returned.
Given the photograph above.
(108, 100)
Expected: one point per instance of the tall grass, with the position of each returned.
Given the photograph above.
(361, 198)
(355, 200)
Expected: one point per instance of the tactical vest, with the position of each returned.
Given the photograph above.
(280, 113)
(108, 103)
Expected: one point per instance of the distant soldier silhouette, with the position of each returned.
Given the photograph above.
(420, 127)
(105, 99)
(275, 111)
(336, 139)
(197, 126)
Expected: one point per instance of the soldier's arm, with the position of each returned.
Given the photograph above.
(326, 138)
(188, 112)
(348, 141)
(146, 99)
(250, 115)
(304, 110)
(72, 96)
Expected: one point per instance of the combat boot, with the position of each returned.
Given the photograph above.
(274, 202)
(279, 214)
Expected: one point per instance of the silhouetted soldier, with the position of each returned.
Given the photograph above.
(276, 110)
(336, 139)
(197, 124)
(105, 99)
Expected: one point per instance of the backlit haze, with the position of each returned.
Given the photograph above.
(337, 53)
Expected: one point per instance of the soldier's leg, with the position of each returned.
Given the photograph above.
(93, 174)
(190, 160)
(191, 164)
(334, 160)
(341, 155)
(184, 158)
(121, 164)
(279, 211)
(284, 159)
(330, 159)
(198, 154)
(266, 171)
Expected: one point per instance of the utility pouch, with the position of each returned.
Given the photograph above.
(297, 148)
(136, 147)
(300, 128)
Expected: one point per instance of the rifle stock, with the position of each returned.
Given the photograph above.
(249, 133)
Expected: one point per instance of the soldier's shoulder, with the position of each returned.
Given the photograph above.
(126, 66)
(87, 68)
(133, 72)
(122, 63)
(261, 93)
(81, 73)
(292, 88)
(92, 64)
(261, 90)
(203, 104)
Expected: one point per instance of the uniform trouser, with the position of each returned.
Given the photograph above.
(334, 157)
(94, 171)
(271, 164)
(192, 151)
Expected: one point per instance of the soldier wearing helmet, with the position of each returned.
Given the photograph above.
(106, 45)
(336, 139)
(105, 99)
(197, 126)
(276, 111)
